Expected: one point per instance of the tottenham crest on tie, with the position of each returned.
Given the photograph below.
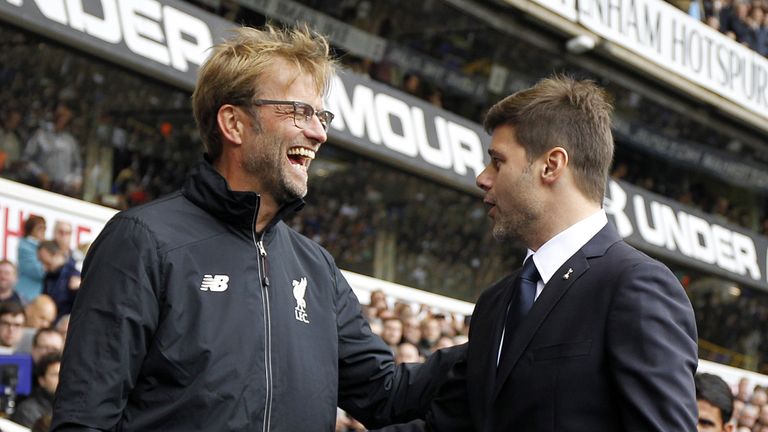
(299, 289)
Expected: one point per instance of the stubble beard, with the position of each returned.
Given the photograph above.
(519, 223)
(266, 161)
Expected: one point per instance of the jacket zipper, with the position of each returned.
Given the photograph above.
(264, 283)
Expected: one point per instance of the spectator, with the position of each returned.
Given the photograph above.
(53, 155)
(715, 403)
(8, 280)
(762, 417)
(41, 312)
(412, 330)
(392, 333)
(742, 392)
(43, 424)
(62, 279)
(430, 334)
(62, 235)
(11, 322)
(443, 342)
(62, 325)
(748, 417)
(46, 341)
(378, 301)
(30, 269)
(412, 85)
(10, 143)
(407, 353)
(759, 397)
(40, 402)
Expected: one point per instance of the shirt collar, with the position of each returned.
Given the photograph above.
(556, 251)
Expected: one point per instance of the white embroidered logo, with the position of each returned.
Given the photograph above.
(299, 289)
(215, 283)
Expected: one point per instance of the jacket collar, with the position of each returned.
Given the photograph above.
(208, 189)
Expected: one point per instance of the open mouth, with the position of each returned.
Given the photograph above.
(300, 156)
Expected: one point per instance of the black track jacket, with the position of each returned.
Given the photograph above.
(187, 319)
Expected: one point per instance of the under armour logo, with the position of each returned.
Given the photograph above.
(215, 283)
(299, 289)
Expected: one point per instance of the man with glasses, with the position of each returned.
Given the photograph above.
(11, 322)
(203, 310)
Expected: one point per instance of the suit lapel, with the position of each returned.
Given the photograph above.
(553, 291)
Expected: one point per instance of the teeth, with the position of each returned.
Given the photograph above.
(301, 151)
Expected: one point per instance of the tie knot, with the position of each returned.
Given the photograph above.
(529, 271)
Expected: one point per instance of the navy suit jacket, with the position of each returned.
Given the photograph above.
(609, 347)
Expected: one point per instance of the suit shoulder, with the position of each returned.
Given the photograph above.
(493, 292)
(625, 263)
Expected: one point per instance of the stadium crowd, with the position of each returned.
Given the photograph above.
(744, 21)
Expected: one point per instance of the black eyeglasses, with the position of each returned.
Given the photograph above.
(302, 112)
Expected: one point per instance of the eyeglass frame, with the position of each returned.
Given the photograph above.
(300, 105)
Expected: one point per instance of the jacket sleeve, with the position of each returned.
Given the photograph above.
(372, 388)
(112, 323)
(652, 350)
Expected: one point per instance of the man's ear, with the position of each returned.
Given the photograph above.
(229, 119)
(555, 162)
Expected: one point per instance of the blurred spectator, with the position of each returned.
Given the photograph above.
(11, 323)
(412, 330)
(430, 334)
(30, 269)
(40, 402)
(762, 417)
(407, 353)
(748, 417)
(443, 342)
(10, 142)
(742, 392)
(392, 332)
(715, 403)
(759, 397)
(46, 341)
(8, 278)
(412, 85)
(62, 235)
(53, 155)
(62, 279)
(62, 325)
(43, 424)
(41, 312)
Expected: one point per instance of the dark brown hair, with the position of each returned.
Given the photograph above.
(563, 112)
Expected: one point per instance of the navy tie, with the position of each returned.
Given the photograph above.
(524, 294)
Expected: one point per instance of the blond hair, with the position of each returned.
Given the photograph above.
(563, 112)
(232, 73)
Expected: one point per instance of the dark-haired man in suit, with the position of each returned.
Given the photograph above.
(591, 335)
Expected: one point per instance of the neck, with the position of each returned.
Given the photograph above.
(267, 210)
(571, 210)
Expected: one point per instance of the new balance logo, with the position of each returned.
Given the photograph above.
(215, 283)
